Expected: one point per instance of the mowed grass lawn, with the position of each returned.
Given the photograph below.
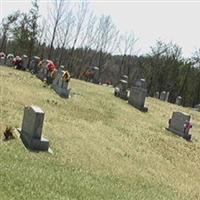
(103, 148)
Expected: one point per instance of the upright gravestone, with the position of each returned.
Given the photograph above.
(138, 94)
(31, 131)
(124, 77)
(178, 100)
(2, 58)
(95, 78)
(9, 60)
(167, 96)
(60, 86)
(34, 64)
(197, 107)
(24, 62)
(157, 95)
(42, 73)
(180, 124)
(121, 90)
(163, 96)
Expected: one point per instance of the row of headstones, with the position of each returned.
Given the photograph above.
(60, 87)
(7, 60)
(178, 124)
(164, 96)
(136, 96)
(31, 131)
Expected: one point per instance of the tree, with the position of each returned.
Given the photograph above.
(6, 25)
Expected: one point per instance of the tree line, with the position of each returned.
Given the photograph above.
(71, 35)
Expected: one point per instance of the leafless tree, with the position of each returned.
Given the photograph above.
(81, 11)
(56, 16)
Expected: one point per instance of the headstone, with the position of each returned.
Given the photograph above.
(9, 60)
(31, 131)
(34, 64)
(2, 58)
(24, 61)
(138, 94)
(163, 96)
(180, 124)
(140, 83)
(124, 77)
(95, 78)
(157, 95)
(178, 100)
(61, 87)
(197, 107)
(121, 90)
(42, 73)
(167, 96)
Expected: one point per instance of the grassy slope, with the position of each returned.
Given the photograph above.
(103, 148)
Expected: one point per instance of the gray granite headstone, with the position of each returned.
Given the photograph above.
(25, 61)
(167, 96)
(138, 94)
(163, 96)
(34, 64)
(9, 60)
(42, 73)
(124, 77)
(178, 100)
(121, 90)
(2, 60)
(197, 107)
(95, 78)
(177, 124)
(61, 87)
(31, 131)
(157, 95)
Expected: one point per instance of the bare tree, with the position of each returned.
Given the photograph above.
(107, 40)
(126, 47)
(81, 12)
(56, 14)
(5, 26)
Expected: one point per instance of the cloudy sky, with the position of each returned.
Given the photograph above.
(176, 21)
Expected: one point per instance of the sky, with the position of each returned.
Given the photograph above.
(176, 21)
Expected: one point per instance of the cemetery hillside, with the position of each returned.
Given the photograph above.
(103, 148)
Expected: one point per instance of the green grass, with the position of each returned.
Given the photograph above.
(103, 147)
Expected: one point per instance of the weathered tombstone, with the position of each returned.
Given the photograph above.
(163, 96)
(157, 95)
(31, 131)
(121, 90)
(167, 96)
(180, 124)
(2, 58)
(42, 73)
(197, 107)
(24, 61)
(60, 86)
(138, 94)
(34, 64)
(95, 78)
(178, 100)
(9, 60)
(124, 77)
